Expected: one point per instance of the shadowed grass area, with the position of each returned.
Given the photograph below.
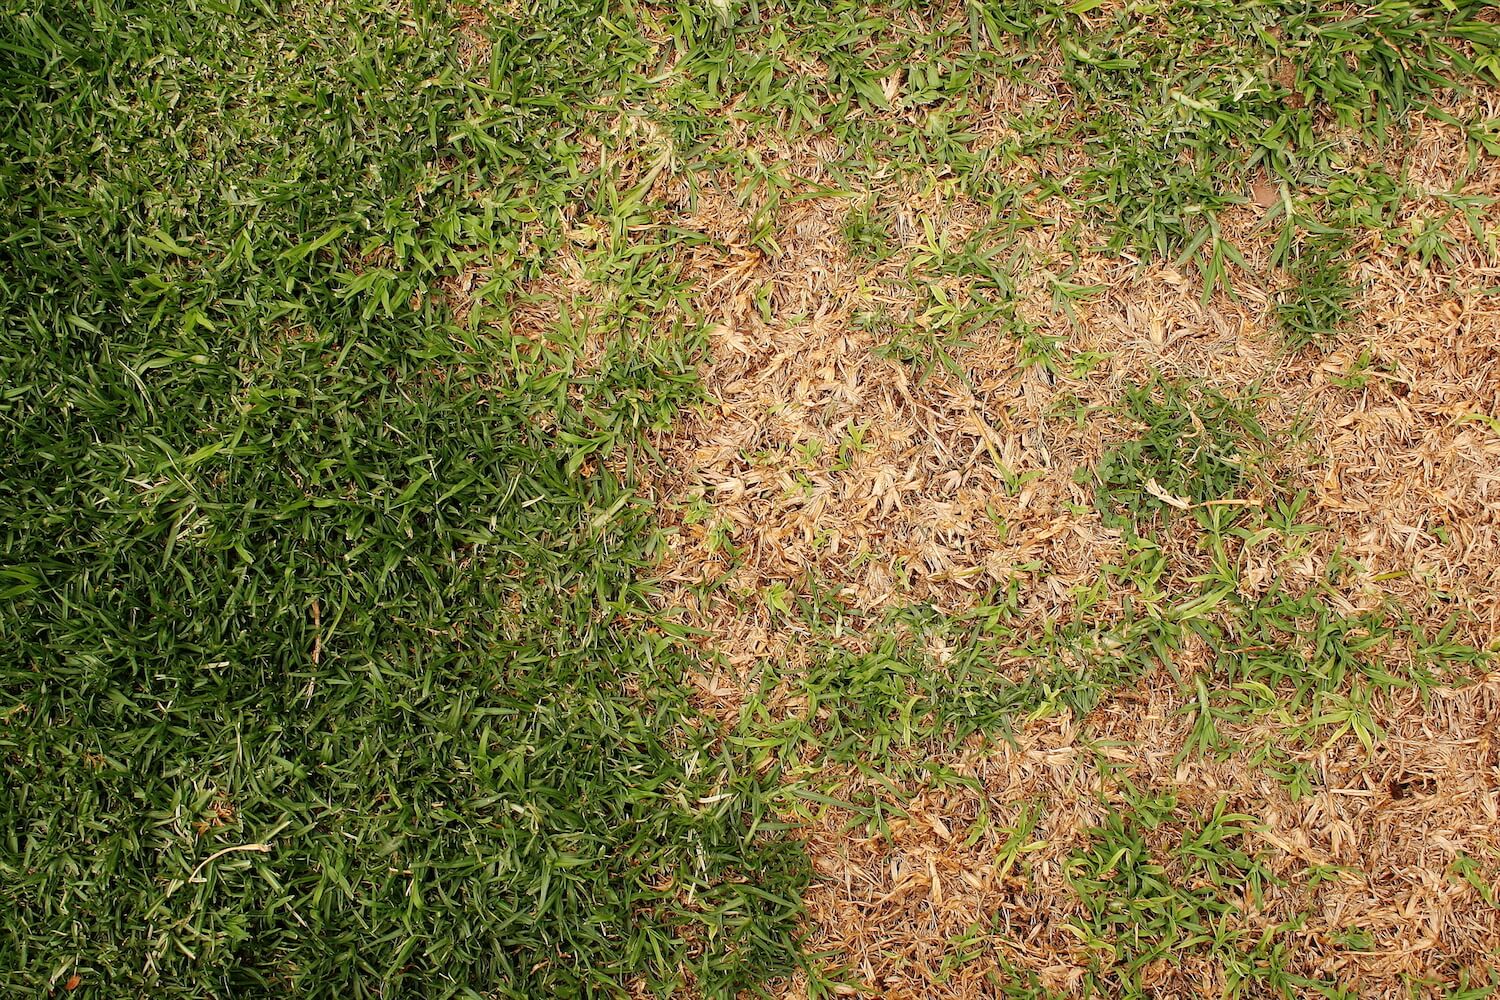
(322, 676)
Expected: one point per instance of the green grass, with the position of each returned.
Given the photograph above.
(1140, 907)
(326, 671)
(1319, 302)
(1194, 446)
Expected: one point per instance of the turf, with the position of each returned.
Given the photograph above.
(321, 678)
(340, 344)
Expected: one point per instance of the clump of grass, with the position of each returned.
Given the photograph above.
(1194, 445)
(1144, 905)
(1135, 911)
(867, 234)
(1320, 301)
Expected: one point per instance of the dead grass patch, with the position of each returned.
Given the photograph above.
(817, 460)
(1370, 860)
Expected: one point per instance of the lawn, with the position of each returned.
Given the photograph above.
(766, 498)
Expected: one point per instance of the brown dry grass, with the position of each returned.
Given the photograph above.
(913, 518)
(1385, 828)
(1398, 470)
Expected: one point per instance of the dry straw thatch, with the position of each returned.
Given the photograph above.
(820, 460)
(1399, 470)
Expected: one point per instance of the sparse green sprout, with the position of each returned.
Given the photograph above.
(866, 234)
(1470, 871)
(1357, 376)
